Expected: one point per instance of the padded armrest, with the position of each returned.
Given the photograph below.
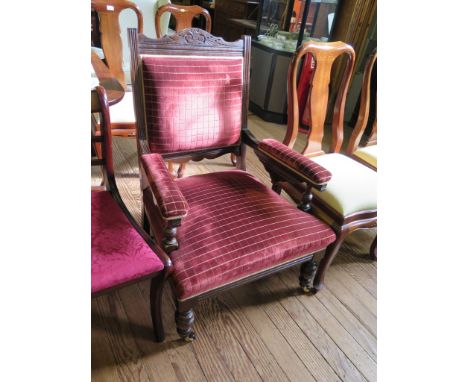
(170, 200)
(295, 161)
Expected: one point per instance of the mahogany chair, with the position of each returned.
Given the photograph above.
(184, 15)
(226, 228)
(108, 11)
(122, 253)
(365, 152)
(350, 199)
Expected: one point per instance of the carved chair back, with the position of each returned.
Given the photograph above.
(183, 15)
(324, 55)
(190, 93)
(108, 12)
(364, 109)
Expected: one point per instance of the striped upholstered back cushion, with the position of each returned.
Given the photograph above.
(192, 102)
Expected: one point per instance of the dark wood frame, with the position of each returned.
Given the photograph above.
(324, 55)
(355, 141)
(99, 104)
(198, 42)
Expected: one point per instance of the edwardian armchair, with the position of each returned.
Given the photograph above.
(350, 200)
(366, 152)
(226, 228)
(121, 252)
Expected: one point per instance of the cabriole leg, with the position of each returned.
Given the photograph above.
(325, 263)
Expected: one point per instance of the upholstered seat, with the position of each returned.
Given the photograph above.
(236, 227)
(352, 188)
(368, 154)
(118, 252)
(122, 112)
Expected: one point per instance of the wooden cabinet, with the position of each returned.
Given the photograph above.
(234, 18)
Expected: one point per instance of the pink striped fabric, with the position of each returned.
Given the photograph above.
(290, 158)
(236, 226)
(191, 102)
(171, 202)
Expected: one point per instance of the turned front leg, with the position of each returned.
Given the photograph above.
(184, 323)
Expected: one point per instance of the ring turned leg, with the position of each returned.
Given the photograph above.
(306, 278)
(326, 261)
(156, 293)
(184, 322)
(373, 249)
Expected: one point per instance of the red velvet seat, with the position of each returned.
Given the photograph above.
(237, 227)
(118, 252)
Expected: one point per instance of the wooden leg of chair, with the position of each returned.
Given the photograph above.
(156, 292)
(306, 278)
(373, 249)
(181, 170)
(146, 223)
(184, 322)
(240, 160)
(233, 159)
(326, 261)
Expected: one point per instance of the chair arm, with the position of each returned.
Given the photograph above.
(296, 163)
(169, 198)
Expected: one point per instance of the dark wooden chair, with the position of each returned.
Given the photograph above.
(350, 200)
(365, 150)
(122, 253)
(226, 228)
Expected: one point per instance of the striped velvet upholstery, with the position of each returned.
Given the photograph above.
(192, 102)
(292, 159)
(236, 227)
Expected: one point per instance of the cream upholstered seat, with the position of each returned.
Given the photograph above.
(368, 154)
(352, 188)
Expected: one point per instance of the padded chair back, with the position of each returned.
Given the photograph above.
(324, 55)
(191, 92)
(364, 108)
(183, 15)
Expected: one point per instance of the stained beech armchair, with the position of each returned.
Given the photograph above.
(226, 228)
(349, 201)
(122, 253)
(365, 150)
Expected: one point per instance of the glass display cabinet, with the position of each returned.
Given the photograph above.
(282, 26)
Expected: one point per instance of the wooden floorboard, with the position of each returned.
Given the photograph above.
(264, 331)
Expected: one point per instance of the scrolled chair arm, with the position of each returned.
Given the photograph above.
(295, 164)
(171, 202)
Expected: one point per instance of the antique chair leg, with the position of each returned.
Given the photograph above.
(156, 292)
(146, 223)
(306, 278)
(184, 322)
(233, 159)
(240, 160)
(373, 249)
(326, 261)
(181, 170)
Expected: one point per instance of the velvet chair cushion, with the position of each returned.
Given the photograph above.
(295, 161)
(192, 102)
(368, 154)
(353, 187)
(170, 200)
(236, 227)
(118, 252)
